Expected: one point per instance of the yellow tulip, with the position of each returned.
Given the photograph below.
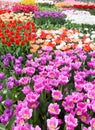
(26, 2)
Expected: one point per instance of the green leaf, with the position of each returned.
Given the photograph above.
(10, 124)
(17, 51)
(2, 127)
(64, 127)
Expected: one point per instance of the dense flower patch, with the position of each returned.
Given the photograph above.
(44, 1)
(27, 2)
(76, 4)
(47, 14)
(8, 4)
(53, 90)
(15, 36)
(63, 39)
(80, 17)
(16, 32)
(47, 18)
(2, 11)
(47, 77)
(63, 4)
(87, 6)
(16, 16)
(24, 8)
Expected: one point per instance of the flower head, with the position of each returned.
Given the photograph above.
(8, 103)
(71, 121)
(53, 109)
(57, 95)
(52, 124)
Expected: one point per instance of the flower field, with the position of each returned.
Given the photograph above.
(47, 65)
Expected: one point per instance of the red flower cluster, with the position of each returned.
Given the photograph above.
(84, 6)
(25, 8)
(4, 11)
(16, 32)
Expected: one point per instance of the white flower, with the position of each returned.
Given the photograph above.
(91, 45)
(80, 45)
(81, 34)
(54, 43)
(75, 35)
(93, 32)
(80, 17)
(86, 28)
(61, 45)
(87, 40)
(93, 36)
(44, 1)
(47, 40)
(87, 34)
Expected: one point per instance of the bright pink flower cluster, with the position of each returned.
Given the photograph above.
(58, 91)
(23, 113)
(55, 71)
(25, 8)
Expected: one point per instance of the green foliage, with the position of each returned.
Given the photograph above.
(49, 23)
(84, 28)
(14, 49)
(47, 7)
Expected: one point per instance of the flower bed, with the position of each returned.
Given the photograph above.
(75, 4)
(27, 2)
(16, 35)
(51, 90)
(24, 8)
(49, 17)
(80, 17)
(44, 2)
(87, 6)
(63, 39)
(63, 4)
(47, 77)
(2, 11)
(6, 17)
(47, 14)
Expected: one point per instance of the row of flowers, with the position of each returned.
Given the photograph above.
(80, 17)
(9, 4)
(15, 37)
(2, 11)
(41, 17)
(46, 14)
(63, 39)
(16, 33)
(26, 12)
(75, 4)
(24, 8)
(25, 2)
(11, 16)
(54, 90)
(20, 8)
(84, 6)
(30, 4)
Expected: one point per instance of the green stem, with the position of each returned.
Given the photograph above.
(34, 117)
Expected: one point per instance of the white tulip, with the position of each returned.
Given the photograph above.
(87, 40)
(80, 17)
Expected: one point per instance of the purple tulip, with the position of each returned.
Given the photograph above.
(46, 14)
(2, 75)
(0, 99)
(4, 119)
(8, 103)
(1, 86)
